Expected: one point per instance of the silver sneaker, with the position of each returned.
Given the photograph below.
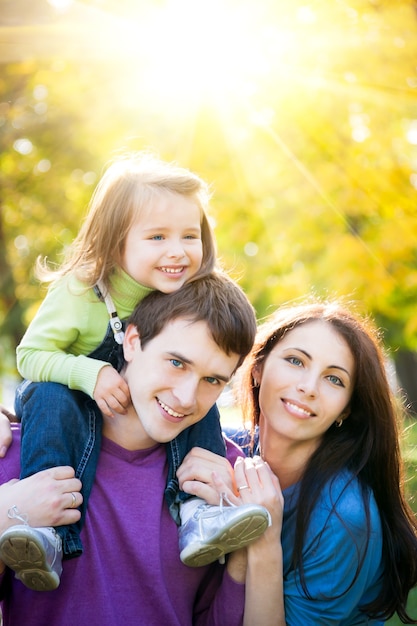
(34, 554)
(213, 531)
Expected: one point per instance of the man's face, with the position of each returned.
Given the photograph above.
(176, 378)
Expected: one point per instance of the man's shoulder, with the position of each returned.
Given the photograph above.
(233, 450)
(242, 437)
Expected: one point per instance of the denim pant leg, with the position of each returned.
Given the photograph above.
(60, 427)
(206, 433)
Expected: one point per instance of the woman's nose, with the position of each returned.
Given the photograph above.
(308, 385)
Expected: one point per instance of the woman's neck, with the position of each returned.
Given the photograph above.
(287, 458)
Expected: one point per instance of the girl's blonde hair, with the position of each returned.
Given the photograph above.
(129, 184)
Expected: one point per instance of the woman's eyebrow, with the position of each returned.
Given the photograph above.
(336, 367)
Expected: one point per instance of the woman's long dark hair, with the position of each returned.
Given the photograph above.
(367, 445)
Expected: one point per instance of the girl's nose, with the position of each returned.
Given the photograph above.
(175, 250)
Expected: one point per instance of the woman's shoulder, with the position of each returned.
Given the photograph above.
(351, 502)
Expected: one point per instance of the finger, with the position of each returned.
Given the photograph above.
(224, 490)
(76, 500)
(102, 405)
(10, 416)
(241, 479)
(201, 490)
(5, 435)
(62, 472)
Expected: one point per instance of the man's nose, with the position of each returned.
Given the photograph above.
(186, 394)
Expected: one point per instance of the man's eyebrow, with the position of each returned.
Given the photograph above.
(180, 357)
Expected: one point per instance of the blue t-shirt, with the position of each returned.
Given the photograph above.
(336, 544)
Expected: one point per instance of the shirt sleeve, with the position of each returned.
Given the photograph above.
(336, 551)
(46, 350)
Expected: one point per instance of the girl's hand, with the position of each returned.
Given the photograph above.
(111, 392)
(44, 499)
(199, 471)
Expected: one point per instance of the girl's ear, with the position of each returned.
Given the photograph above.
(130, 342)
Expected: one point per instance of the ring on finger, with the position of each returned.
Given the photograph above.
(243, 487)
(74, 500)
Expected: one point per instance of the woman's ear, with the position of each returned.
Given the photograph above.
(256, 375)
(345, 414)
(130, 342)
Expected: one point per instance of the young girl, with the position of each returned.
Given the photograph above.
(146, 229)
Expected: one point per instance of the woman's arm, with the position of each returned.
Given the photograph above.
(264, 603)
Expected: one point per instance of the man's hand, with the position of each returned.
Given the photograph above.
(202, 471)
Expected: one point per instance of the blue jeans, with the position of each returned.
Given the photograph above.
(61, 426)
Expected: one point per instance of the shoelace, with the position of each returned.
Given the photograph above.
(14, 513)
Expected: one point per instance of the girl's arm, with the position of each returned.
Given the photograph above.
(69, 324)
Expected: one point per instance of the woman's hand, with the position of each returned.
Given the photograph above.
(48, 498)
(257, 484)
(201, 471)
(6, 417)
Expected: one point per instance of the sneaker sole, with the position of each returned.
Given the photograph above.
(237, 535)
(27, 559)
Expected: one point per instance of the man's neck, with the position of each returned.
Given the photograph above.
(127, 431)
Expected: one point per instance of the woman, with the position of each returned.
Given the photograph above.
(343, 549)
(324, 458)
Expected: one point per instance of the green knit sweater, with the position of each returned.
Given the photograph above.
(70, 323)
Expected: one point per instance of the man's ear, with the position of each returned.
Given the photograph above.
(130, 342)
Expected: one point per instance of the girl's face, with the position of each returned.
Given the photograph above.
(306, 383)
(163, 248)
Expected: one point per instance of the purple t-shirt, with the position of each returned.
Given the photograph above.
(130, 573)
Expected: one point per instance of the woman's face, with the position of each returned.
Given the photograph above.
(306, 383)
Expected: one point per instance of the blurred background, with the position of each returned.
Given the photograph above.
(302, 115)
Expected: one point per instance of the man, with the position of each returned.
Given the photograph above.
(180, 351)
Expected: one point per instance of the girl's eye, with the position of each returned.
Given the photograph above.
(191, 237)
(157, 237)
(176, 363)
(335, 380)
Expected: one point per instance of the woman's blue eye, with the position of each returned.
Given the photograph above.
(336, 380)
(176, 363)
(294, 360)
